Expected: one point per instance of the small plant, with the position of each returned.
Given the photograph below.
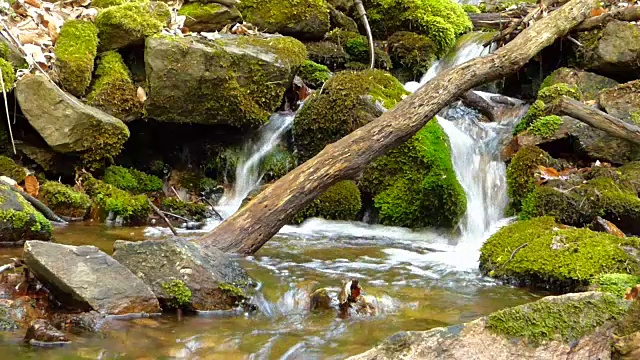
(179, 292)
(546, 126)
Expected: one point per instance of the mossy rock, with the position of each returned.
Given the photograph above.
(415, 185)
(345, 104)
(134, 210)
(132, 180)
(130, 23)
(616, 284)
(358, 53)
(103, 4)
(327, 53)
(235, 80)
(113, 91)
(303, 19)
(64, 200)
(622, 101)
(277, 164)
(208, 17)
(411, 51)
(19, 220)
(187, 209)
(440, 20)
(313, 74)
(8, 74)
(542, 107)
(339, 20)
(541, 253)
(587, 84)
(340, 202)
(75, 52)
(10, 169)
(521, 173)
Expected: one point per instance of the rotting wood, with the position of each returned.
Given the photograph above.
(253, 225)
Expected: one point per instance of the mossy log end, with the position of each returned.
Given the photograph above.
(597, 119)
(251, 227)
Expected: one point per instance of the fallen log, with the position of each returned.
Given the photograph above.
(629, 13)
(496, 21)
(597, 119)
(252, 226)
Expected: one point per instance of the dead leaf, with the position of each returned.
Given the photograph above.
(598, 12)
(548, 173)
(27, 38)
(632, 293)
(34, 3)
(31, 185)
(142, 95)
(53, 32)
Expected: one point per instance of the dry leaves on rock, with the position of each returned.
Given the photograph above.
(31, 185)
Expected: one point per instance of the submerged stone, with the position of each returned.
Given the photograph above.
(19, 220)
(235, 80)
(42, 333)
(85, 278)
(173, 267)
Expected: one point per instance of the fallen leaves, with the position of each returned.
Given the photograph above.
(31, 185)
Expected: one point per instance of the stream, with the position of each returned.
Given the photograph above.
(419, 279)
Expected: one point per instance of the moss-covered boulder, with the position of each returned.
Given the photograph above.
(327, 53)
(441, 20)
(571, 326)
(19, 221)
(10, 169)
(75, 51)
(303, 19)
(132, 209)
(339, 20)
(616, 284)
(132, 180)
(190, 210)
(613, 50)
(415, 185)
(622, 101)
(339, 202)
(128, 24)
(521, 173)
(208, 17)
(588, 84)
(67, 125)
(412, 52)
(541, 253)
(314, 74)
(236, 80)
(64, 200)
(347, 102)
(277, 164)
(113, 91)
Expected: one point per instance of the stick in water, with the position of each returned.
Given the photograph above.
(157, 211)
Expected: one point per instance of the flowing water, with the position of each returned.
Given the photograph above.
(418, 279)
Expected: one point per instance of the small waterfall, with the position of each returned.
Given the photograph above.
(248, 173)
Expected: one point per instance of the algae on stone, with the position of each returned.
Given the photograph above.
(339, 202)
(75, 51)
(128, 24)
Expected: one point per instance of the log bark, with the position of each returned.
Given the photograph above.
(597, 119)
(629, 13)
(252, 226)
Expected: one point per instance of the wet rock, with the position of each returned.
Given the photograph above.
(85, 278)
(183, 274)
(65, 123)
(48, 159)
(234, 80)
(572, 326)
(16, 313)
(41, 333)
(86, 322)
(19, 220)
(622, 101)
(208, 17)
(588, 84)
(320, 300)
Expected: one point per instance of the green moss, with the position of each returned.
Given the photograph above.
(130, 23)
(302, 18)
(231, 290)
(197, 10)
(27, 223)
(550, 93)
(415, 185)
(635, 117)
(8, 74)
(471, 9)
(133, 209)
(546, 126)
(339, 202)
(616, 284)
(4, 50)
(190, 210)
(108, 3)
(132, 180)
(64, 200)
(536, 110)
(179, 292)
(314, 74)
(556, 258)
(357, 50)
(75, 52)
(504, 5)
(521, 173)
(277, 164)
(12, 170)
(113, 90)
(412, 51)
(565, 320)
(342, 107)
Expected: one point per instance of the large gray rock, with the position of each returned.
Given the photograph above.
(622, 101)
(209, 17)
(214, 279)
(614, 50)
(590, 316)
(589, 84)
(64, 122)
(19, 220)
(234, 80)
(85, 278)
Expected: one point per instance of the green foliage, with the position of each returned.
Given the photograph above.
(75, 51)
(521, 173)
(551, 93)
(232, 290)
(130, 22)
(132, 180)
(342, 107)
(197, 10)
(190, 210)
(635, 118)
(471, 9)
(133, 209)
(554, 257)
(8, 74)
(10, 169)
(314, 74)
(415, 185)
(616, 284)
(546, 126)
(536, 110)
(108, 3)
(339, 202)
(305, 18)
(412, 51)
(566, 320)
(113, 90)
(64, 200)
(179, 292)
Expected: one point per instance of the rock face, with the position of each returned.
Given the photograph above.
(622, 101)
(212, 278)
(569, 327)
(83, 277)
(614, 50)
(234, 80)
(40, 332)
(588, 84)
(19, 220)
(310, 21)
(65, 123)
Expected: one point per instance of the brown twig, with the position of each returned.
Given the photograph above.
(157, 211)
(514, 253)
